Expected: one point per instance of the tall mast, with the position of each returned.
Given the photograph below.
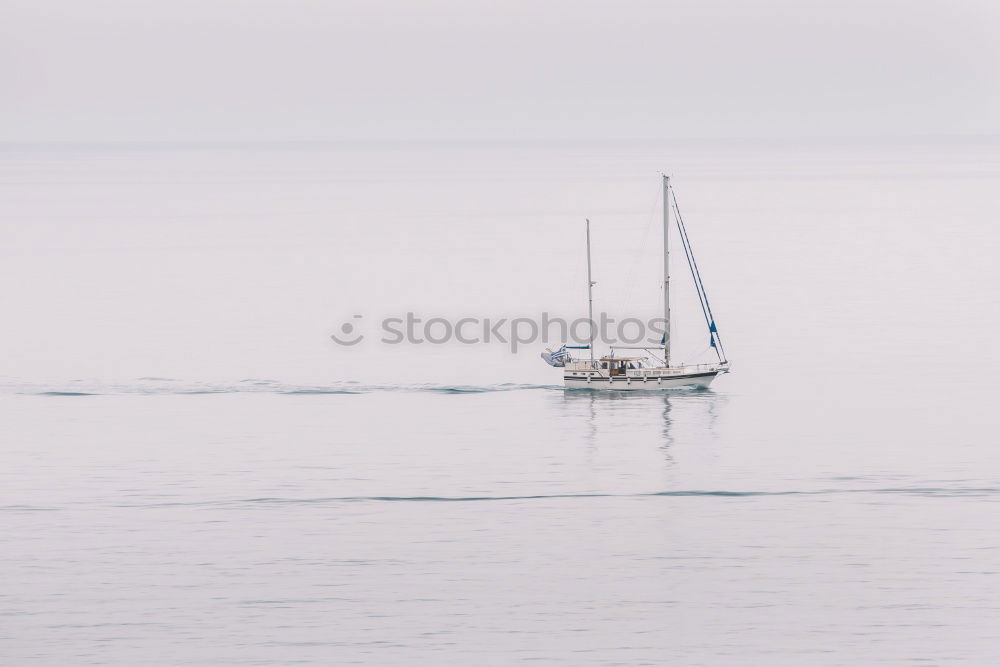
(590, 297)
(666, 269)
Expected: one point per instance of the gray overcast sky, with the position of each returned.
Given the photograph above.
(520, 69)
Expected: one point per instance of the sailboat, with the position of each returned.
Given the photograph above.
(653, 370)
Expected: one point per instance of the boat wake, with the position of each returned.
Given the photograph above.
(164, 386)
(906, 491)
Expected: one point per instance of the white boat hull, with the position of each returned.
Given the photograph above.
(619, 383)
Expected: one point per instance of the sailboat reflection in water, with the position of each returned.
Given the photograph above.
(650, 371)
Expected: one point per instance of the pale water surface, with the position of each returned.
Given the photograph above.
(192, 473)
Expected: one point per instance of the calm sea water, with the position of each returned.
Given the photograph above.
(193, 473)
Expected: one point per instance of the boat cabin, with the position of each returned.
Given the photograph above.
(619, 365)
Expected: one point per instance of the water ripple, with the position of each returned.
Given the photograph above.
(940, 492)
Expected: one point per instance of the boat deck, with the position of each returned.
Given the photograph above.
(597, 371)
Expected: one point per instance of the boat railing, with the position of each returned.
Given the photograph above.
(702, 367)
(584, 365)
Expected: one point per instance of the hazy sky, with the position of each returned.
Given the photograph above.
(519, 69)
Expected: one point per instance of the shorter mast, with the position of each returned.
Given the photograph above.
(590, 298)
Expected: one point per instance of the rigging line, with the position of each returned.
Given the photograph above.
(683, 229)
(702, 300)
(700, 284)
(697, 276)
(713, 331)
